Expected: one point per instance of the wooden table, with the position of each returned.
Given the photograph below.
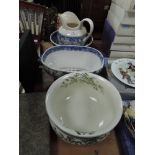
(108, 146)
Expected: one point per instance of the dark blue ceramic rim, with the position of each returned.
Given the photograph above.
(73, 49)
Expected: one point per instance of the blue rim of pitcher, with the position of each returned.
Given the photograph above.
(54, 40)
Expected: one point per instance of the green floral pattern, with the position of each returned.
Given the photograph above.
(77, 140)
(82, 78)
(84, 133)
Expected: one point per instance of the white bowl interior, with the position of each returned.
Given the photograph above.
(70, 60)
(80, 107)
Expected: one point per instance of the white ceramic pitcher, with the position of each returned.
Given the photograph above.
(72, 31)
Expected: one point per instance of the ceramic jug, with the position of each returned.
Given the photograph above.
(72, 31)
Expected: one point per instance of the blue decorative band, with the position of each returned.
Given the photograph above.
(64, 40)
(73, 49)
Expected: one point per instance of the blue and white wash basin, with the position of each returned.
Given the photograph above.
(67, 59)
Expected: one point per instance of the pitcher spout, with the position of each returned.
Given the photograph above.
(69, 20)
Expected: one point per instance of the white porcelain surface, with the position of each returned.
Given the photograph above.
(129, 75)
(84, 103)
(66, 61)
(72, 32)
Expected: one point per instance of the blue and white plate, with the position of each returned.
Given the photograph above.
(54, 40)
(67, 59)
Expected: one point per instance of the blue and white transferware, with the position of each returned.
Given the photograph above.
(59, 60)
(72, 31)
(54, 40)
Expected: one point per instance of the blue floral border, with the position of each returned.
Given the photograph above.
(72, 48)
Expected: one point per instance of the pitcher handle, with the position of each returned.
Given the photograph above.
(91, 27)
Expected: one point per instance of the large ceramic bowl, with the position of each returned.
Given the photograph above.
(83, 107)
(60, 60)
